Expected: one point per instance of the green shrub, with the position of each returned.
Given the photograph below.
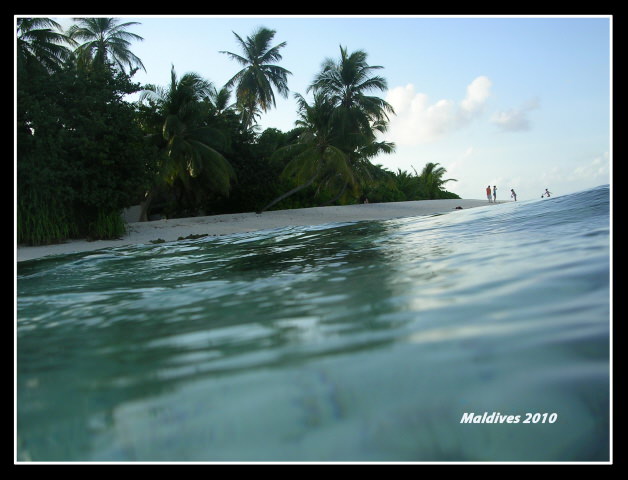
(106, 226)
(42, 221)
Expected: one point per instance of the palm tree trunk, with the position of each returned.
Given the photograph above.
(287, 194)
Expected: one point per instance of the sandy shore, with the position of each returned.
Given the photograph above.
(171, 230)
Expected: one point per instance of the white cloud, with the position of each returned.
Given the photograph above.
(477, 93)
(598, 168)
(515, 120)
(418, 121)
(585, 174)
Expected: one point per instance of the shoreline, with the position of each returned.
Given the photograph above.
(214, 225)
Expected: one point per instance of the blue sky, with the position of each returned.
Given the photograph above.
(517, 102)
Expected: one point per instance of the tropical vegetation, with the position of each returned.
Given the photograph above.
(85, 153)
(254, 83)
(105, 40)
(185, 139)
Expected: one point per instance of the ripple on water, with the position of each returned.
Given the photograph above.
(362, 341)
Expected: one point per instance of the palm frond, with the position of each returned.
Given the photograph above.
(105, 39)
(39, 43)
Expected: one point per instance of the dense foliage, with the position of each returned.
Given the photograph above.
(84, 152)
(81, 155)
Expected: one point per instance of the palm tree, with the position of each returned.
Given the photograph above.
(346, 84)
(220, 99)
(357, 116)
(364, 171)
(254, 83)
(185, 142)
(407, 184)
(39, 45)
(431, 179)
(106, 40)
(316, 155)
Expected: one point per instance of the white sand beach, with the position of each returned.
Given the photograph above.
(171, 229)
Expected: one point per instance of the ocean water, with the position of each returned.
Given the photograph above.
(406, 340)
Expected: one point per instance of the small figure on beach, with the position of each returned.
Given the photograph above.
(547, 192)
(366, 200)
(488, 193)
(513, 194)
(494, 194)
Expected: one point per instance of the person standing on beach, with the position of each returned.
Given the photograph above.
(513, 194)
(488, 193)
(494, 194)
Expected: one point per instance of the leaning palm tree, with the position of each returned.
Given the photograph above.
(254, 83)
(105, 40)
(185, 143)
(38, 44)
(316, 155)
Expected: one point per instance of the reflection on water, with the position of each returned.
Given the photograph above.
(350, 342)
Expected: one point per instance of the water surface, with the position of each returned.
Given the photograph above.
(365, 341)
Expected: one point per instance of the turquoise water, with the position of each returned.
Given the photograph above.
(359, 342)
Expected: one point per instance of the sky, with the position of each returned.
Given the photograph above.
(522, 103)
